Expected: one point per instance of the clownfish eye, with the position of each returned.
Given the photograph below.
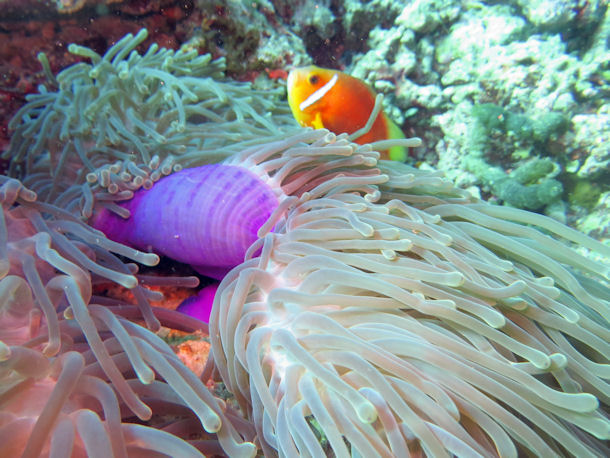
(313, 79)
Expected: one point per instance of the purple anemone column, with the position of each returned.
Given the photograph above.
(206, 216)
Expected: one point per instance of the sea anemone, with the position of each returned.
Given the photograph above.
(390, 313)
(78, 378)
(379, 311)
(204, 216)
(98, 131)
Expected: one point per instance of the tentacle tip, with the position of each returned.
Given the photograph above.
(146, 376)
(367, 414)
(543, 362)
(51, 348)
(559, 361)
(496, 321)
(212, 423)
(149, 259)
(415, 142)
(602, 431)
(366, 411)
(456, 279)
(146, 414)
(128, 281)
(28, 195)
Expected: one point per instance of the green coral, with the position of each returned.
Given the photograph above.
(548, 126)
(530, 185)
(491, 117)
(526, 187)
(582, 193)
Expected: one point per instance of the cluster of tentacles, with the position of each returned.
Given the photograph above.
(381, 311)
(392, 314)
(374, 309)
(78, 377)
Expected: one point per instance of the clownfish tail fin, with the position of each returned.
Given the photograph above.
(396, 153)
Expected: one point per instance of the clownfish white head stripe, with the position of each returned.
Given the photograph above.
(317, 95)
(325, 98)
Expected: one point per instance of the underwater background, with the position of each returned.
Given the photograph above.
(511, 101)
(505, 95)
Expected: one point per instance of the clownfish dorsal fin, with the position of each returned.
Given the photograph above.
(319, 93)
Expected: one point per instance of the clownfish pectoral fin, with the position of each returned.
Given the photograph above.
(396, 153)
(317, 121)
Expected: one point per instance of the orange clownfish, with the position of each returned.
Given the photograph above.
(325, 98)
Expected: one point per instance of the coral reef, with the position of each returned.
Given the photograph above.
(381, 310)
(248, 36)
(12, 8)
(531, 185)
(435, 64)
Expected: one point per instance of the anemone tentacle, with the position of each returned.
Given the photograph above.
(388, 283)
(378, 311)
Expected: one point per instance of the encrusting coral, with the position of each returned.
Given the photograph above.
(381, 311)
(530, 186)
